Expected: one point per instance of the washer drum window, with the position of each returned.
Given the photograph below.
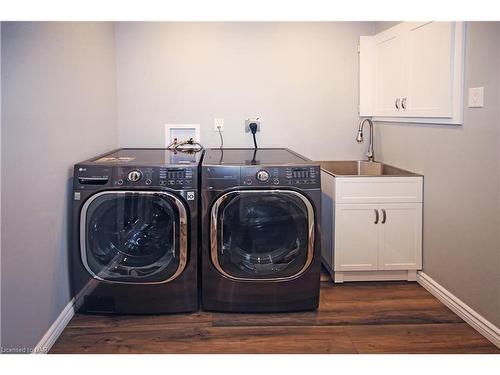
(134, 237)
(263, 235)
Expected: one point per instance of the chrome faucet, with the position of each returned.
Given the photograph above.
(370, 153)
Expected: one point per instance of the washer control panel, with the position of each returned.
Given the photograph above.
(173, 177)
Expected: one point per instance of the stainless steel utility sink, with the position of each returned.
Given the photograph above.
(363, 168)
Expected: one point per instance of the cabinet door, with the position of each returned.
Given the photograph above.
(430, 67)
(401, 237)
(356, 237)
(389, 73)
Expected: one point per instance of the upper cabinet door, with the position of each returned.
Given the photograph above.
(430, 65)
(413, 72)
(389, 73)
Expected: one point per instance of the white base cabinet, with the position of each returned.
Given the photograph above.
(379, 240)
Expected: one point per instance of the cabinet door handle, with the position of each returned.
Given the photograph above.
(376, 217)
(384, 216)
(396, 103)
(403, 103)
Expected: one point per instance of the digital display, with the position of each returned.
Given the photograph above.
(297, 173)
(176, 174)
(301, 175)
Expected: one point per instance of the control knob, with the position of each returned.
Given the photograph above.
(262, 176)
(134, 176)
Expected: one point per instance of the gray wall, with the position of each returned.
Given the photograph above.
(0, 179)
(300, 78)
(461, 168)
(58, 107)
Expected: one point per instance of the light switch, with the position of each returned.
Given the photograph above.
(476, 97)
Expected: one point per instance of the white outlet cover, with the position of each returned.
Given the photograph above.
(476, 97)
(219, 122)
(248, 121)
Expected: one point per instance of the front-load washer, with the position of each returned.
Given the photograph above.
(260, 231)
(134, 234)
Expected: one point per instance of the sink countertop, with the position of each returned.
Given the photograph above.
(363, 168)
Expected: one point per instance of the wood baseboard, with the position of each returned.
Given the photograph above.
(475, 320)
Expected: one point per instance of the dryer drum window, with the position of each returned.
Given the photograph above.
(133, 237)
(263, 235)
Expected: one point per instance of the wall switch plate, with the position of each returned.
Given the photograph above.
(219, 124)
(248, 121)
(476, 97)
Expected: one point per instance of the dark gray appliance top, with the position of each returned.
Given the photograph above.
(146, 156)
(250, 156)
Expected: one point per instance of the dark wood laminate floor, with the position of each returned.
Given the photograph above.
(382, 317)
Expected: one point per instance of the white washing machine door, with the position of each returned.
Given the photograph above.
(134, 237)
(265, 235)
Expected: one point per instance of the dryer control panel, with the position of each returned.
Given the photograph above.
(303, 177)
(224, 177)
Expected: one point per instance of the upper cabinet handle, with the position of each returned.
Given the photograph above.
(396, 103)
(403, 103)
(384, 216)
(376, 217)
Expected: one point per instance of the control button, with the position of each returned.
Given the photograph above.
(276, 181)
(119, 182)
(263, 176)
(148, 181)
(248, 181)
(134, 176)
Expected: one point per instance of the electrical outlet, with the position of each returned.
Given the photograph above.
(476, 97)
(219, 124)
(248, 121)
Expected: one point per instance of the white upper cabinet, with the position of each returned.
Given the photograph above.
(413, 72)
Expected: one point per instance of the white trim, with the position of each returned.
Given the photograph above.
(477, 321)
(55, 329)
(382, 275)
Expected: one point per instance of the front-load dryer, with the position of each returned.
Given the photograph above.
(260, 231)
(134, 235)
